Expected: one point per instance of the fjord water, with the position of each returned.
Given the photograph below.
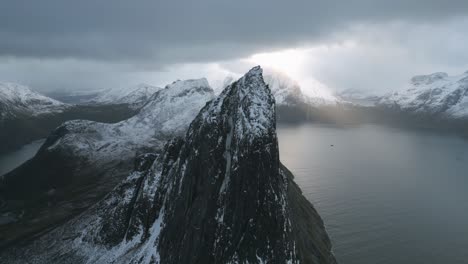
(12, 160)
(386, 195)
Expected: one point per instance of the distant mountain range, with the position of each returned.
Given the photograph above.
(26, 115)
(31, 115)
(435, 94)
(134, 96)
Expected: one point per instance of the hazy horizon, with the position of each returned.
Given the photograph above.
(372, 46)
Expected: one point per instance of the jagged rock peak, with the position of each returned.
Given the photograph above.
(249, 104)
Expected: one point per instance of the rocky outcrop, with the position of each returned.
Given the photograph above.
(217, 195)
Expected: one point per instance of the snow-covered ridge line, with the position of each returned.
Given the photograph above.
(166, 113)
(135, 96)
(16, 99)
(437, 94)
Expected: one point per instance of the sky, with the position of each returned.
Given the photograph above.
(370, 45)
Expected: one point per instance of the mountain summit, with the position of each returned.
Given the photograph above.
(217, 195)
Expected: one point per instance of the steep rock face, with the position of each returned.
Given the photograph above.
(436, 94)
(83, 160)
(219, 195)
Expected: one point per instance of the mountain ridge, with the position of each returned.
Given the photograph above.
(18, 100)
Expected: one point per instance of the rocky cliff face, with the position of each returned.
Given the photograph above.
(217, 195)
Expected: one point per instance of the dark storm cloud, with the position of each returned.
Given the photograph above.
(163, 32)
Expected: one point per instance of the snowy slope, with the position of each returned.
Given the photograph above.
(17, 100)
(437, 93)
(136, 96)
(166, 114)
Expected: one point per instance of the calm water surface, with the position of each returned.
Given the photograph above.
(386, 195)
(12, 160)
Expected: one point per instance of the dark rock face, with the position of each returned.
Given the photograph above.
(228, 201)
(219, 195)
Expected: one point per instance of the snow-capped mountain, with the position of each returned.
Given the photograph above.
(435, 94)
(136, 96)
(18, 101)
(217, 195)
(83, 160)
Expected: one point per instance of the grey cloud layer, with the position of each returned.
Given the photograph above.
(163, 32)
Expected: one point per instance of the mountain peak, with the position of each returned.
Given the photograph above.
(255, 71)
(249, 104)
(19, 100)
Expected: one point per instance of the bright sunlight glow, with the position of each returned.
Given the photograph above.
(292, 62)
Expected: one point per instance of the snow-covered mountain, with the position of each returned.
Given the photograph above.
(83, 160)
(166, 114)
(20, 101)
(219, 194)
(435, 94)
(135, 96)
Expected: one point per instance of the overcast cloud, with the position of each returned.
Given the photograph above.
(56, 44)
